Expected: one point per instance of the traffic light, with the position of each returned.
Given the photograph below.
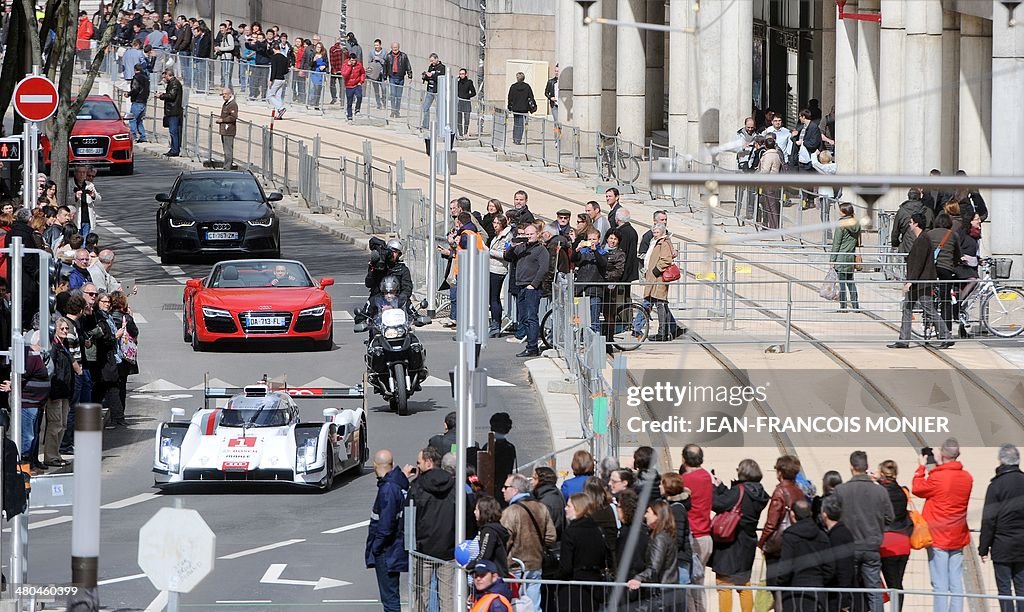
(10, 149)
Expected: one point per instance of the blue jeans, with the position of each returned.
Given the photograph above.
(1010, 578)
(174, 128)
(243, 75)
(528, 302)
(353, 97)
(595, 313)
(946, 570)
(428, 101)
(497, 281)
(315, 89)
(29, 416)
(868, 566)
(453, 295)
(227, 66)
(138, 113)
(86, 230)
(518, 126)
(396, 93)
(530, 590)
(638, 320)
(387, 584)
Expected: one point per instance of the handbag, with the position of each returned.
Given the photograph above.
(830, 287)
(549, 558)
(763, 600)
(129, 349)
(922, 535)
(725, 524)
(773, 545)
(671, 273)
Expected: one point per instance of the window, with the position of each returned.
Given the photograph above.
(231, 189)
(98, 109)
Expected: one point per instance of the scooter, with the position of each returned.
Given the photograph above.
(395, 358)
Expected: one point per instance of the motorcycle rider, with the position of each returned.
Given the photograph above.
(386, 260)
(388, 296)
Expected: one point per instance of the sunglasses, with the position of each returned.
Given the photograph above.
(91, 293)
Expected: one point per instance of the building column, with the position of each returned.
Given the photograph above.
(975, 95)
(868, 66)
(631, 73)
(846, 93)
(704, 116)
(950, 99)
(565, 29)
(587, 75)
(655, 67)
(825, 51)
(890, 96)
(922, 68)
(1007, 229)
(736, 61)
(680, 83)
(609, 78)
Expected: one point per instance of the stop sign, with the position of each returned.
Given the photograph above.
(176, 549)
(35, 98)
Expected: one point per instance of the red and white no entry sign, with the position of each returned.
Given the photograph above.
(35, 98)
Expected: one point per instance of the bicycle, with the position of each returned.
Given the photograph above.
(633, 325)
(613, 163)
(1000, 309)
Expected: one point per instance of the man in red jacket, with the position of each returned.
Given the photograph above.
(698, 481)
(946, 489)
(83, 38)
(354, 75)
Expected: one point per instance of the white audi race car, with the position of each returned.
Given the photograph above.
(258, 437)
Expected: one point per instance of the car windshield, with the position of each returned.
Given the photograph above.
(226, 189)
(255, 412)
(98, 109)
(256, 273)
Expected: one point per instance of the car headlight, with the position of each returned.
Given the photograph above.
(306, 451)
(181, 222)
(214, 313)
(315, 311)
(122, 136)
(170, 447)
(264, 222)
(392, 332)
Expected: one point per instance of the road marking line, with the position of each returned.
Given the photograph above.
(121, 579)
(131, 240)
(158, 604)
(129, 501)
(342, 315)
(117, 231)
(244, 601)
(153, 258)
(145, 249)
(354, 601)
(54, 521)
(180, 315)
(174, 270)
(348, 527)
(139, 318)
(259, 549)
(182, 280)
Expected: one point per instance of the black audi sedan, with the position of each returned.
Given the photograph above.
(213, 212)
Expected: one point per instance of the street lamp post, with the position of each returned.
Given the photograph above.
(85, 529)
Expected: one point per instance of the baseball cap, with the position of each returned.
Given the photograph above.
(485, 567)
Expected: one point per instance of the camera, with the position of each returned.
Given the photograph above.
(378, 255)
(929, 454)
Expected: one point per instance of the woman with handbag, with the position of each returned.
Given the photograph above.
(128, 342)
(733, 560)
(786, 492)
(658, 258)
(493, 537)
(844, 257)
(895, 549)
(584, 557)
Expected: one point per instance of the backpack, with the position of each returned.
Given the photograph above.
(16, 482)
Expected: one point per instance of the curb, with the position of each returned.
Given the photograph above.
(560, 409)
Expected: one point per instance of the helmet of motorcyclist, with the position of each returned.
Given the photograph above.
(390, 285)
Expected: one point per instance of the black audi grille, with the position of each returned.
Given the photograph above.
(309, 324)
(80, 143)
(249, 475)
(244, 318)
(220, 325)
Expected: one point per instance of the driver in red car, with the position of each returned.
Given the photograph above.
(282, 278)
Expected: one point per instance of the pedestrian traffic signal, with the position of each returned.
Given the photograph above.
(10, 149)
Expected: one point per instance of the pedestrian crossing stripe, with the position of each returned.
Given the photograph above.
(433, 381)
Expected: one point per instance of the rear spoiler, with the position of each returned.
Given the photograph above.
(355, 392)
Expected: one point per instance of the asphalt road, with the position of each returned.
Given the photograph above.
(315, 535)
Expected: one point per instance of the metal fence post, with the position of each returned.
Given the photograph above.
(789, 313)
(368, 182)
(287, 182)
(209, 137)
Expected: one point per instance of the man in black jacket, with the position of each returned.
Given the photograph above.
(172, 97)
(467, 91)
(532, 262)
(806, 560)
(429, 77)
(29, 266)
(444, 442)
(397, 68)
(920, 267)
(520, 103)
(1002, 526)
(139, 95)
(433, 494)
(841, 540)
(551, 93)
(386, 534)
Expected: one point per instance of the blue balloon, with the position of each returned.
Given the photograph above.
(467, 551)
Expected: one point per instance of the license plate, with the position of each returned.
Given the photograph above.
(89, 151)
(266, 322)
(234, 466)
(222, 235)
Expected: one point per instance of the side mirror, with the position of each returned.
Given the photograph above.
(275, 196)
(329, 414)
(194, 283)
(423, 320)
(177, 413)
(326, 282)
(360, 328)
(162, 197)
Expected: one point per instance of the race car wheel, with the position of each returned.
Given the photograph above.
(329, 476)
(197, 346)
(401, 393)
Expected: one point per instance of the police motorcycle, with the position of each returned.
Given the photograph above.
(395, 358)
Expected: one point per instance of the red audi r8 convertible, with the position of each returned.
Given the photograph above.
(257, 299)
(100, 137)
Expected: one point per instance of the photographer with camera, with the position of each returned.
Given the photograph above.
(386, 260)
(429, 77)
(465, 233)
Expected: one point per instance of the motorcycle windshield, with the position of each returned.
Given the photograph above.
(392, 317)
